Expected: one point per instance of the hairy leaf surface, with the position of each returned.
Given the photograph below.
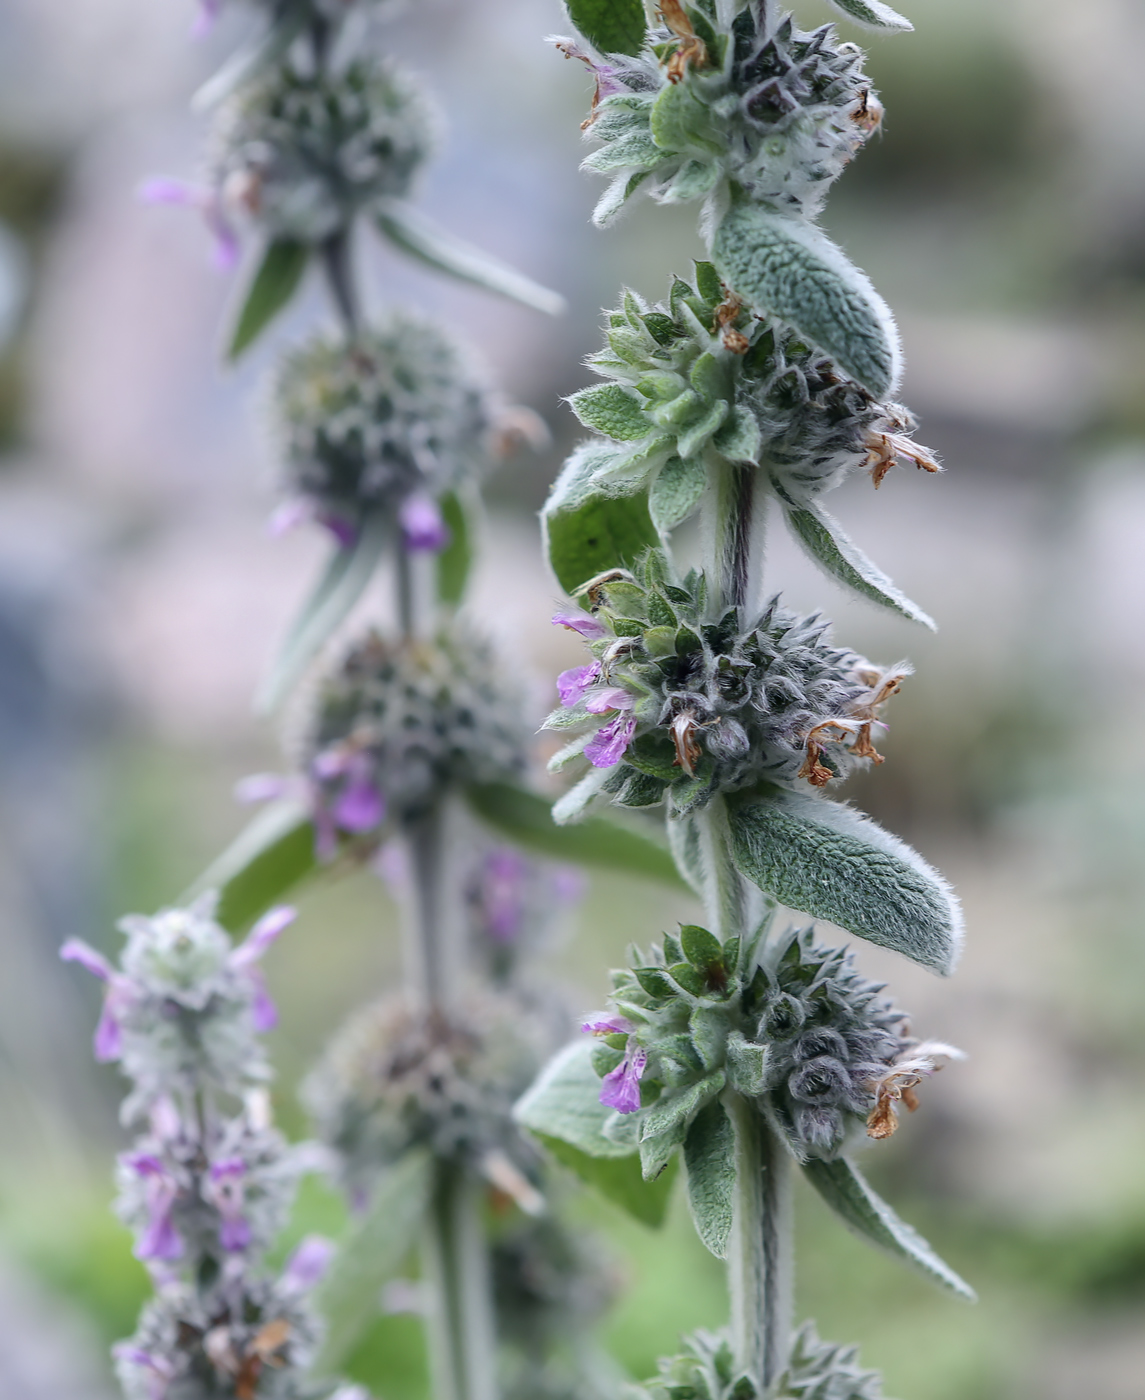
(709, 1159)
(612, 26)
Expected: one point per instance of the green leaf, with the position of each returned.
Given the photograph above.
(612, 26)
(633, 150)
(676, 492)
(339, 588)
(693, 180)
(827, 860)
(564, 1102)
(675, 1111)
(739, 439)
(250, 60)
(788, 268)
(413, 233)
(701, 948)
(682, 121)
(708, 282)
(605, 532)
(684, 843)
(709, 1158)
(613, 410)
(846, 1191)
(348, 1297)
(527, 819)
(657, 1152)
(613, 199)
(273, 854)
(619, 1180)
(872, 14)
(692, 439)
(747, 1065)
(454, 561)
(827, 543)
(275, 282)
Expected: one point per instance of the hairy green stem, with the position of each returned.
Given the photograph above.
(760, 1270)
(727, 529)
(724, 893)
(462, 1350)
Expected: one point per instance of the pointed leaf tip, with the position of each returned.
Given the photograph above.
(846, 1191)
(275, 282)
(873, 14)
(829, 861)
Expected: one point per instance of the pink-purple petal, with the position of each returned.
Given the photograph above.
(422, 523)
(588, 627)
(608, 745)
(620, 1089)
(263, 934)
(76, 950)
(610, 698)
(309, 1262)
(572, 684)
(359, 806)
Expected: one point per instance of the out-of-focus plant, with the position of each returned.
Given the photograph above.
(748, 1047)
(414, 750)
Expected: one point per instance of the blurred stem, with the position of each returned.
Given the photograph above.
(760, 1269)
(338, 262)
(462, 1349)
(435, 951)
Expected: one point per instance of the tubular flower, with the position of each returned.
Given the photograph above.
(692, 707)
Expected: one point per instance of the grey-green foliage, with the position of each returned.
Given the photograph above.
(716, 707)
(301, 153)
(396, 1079)
(364, 425)
(398, 725)
(787, 1025)
(779, 113)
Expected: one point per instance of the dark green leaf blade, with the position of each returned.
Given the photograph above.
(831, 547)
(827, 860)
(271, 856)
(709, 1159)
(456, 559)
(421, 238)
(349, 1296)
(846, 1191)
(275, 282)
(619, 1180)
(527, 819)
(611, 26)
(600, 532)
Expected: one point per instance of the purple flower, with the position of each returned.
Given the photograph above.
(289, 515)
(610, 698)
(572, 684)
(261, 787)
(309, 1262)
(163, 190)
(162, 1371)
(359, 806)
(344, 531)
(588, 627)
(607, 1025)
(422, 524)
(206, 18)
(159, 1240)
(620, 1088)
(228, 1197)
(608, 745)
(107, 1043)
(264, 1014)
(503, 896)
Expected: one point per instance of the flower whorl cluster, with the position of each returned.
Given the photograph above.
(816, 1370)
(800, 1032)
(302, 153)
(203, 1190)
(777, 111)
(399, 724)
(689, 708)
(700, 378)
(381, 425)
(396, 1078)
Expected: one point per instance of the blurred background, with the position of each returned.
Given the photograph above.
(1002, 213)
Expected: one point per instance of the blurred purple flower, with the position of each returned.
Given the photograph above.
(161, 1370)
(227, 1195)
(206, 18)
(572, 684)
(164, 190)
(308, 1264)
(503, 894)
(588, 627)
(422, 524)
(107, 1042)
(160, 1240)
(264, 1013)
